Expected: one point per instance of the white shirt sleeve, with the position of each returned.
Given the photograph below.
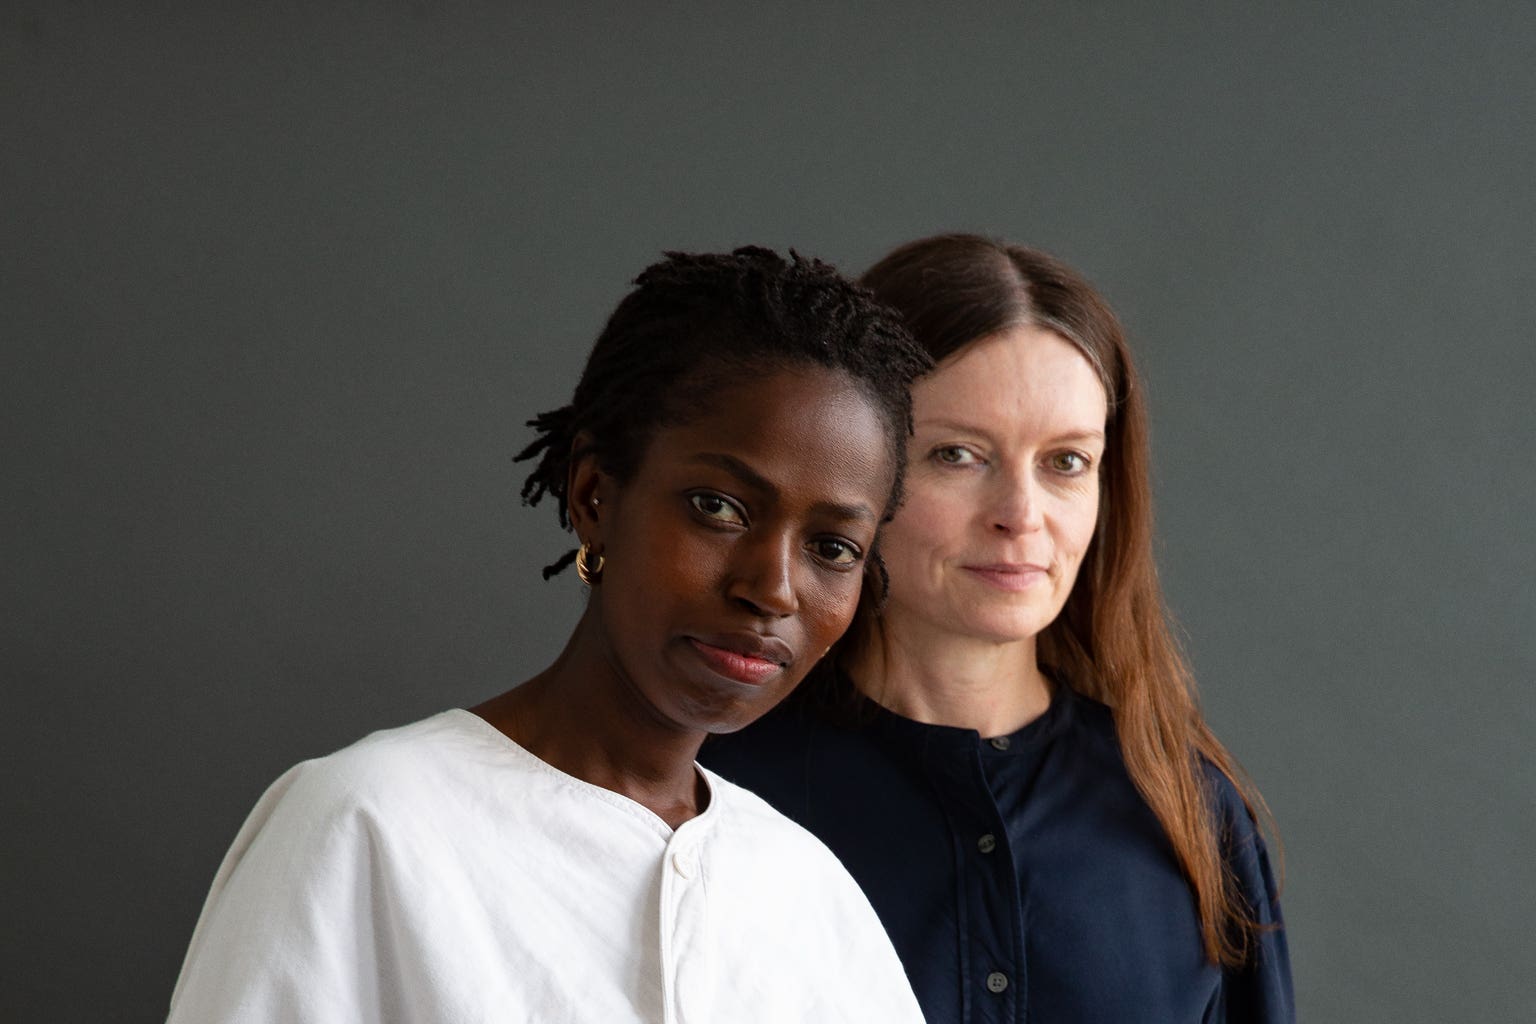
(289, 930)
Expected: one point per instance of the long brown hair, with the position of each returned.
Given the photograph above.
(1112, 641)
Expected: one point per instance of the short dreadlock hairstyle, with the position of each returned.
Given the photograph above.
(694, 320)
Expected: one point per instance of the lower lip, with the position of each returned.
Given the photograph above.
(740, 667)
(1013, 580)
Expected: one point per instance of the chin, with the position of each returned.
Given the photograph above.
(1006, 629)
(724, 727)
(728, 717)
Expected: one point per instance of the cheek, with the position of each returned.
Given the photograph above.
(925, 525)
(690, 565)
(1079, 519)
(827, 607)
(663, 567)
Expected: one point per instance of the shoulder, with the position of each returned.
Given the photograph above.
(1092, 726)
(302, 869)
(433, 745)
(1234, 819)
(363, 792)
(1242, 840)
(383, 768)
(1227, 802)
(1090, 717)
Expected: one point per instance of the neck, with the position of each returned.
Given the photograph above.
(945, 679)
(580, 716)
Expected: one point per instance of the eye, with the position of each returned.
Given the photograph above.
(955, 455)
(718, 508)
(1069, 463)
(836, 551)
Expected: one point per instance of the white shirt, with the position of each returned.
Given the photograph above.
(441, 873)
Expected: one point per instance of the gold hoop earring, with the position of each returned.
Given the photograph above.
(588, 571)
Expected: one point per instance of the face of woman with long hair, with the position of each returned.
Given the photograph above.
(1002, 491)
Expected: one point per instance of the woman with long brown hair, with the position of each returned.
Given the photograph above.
(1007, 751)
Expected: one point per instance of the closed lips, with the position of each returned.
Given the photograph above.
(1009, 576)
(762, 646)
(747, 658)
(1008, 567)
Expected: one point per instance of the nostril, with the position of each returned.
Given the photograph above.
(764, 607)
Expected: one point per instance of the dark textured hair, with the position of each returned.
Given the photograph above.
(1112, 640)
(694, 320)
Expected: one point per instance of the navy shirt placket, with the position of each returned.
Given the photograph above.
(993, 969)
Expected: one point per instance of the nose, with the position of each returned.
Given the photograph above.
(762, 576)
(1017, 507)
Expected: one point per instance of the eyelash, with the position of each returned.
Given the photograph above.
(698, 500)
(938, 455)
(855, 556)
(1085, 463)
(721, 503)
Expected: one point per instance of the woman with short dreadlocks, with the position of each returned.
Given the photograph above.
(555, 854)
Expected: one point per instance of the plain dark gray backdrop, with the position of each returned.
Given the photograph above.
(279, 286)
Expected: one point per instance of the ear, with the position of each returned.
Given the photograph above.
(588, 493)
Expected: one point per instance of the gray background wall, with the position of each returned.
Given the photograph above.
(279, 285)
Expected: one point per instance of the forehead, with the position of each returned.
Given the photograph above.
(811, 429)
(1025, 376)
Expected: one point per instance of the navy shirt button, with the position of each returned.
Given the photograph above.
(997, 981)
(1001, 743)
(987, 843)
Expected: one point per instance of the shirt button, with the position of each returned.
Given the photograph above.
(1001, 743)
(987, 843)
(996, 982)
(684, 864)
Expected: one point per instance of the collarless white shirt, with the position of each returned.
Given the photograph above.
(439, 872)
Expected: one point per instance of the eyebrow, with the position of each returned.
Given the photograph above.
(971, 428)
(752, 478)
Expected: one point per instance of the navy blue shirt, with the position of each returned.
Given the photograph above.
(1021, 877)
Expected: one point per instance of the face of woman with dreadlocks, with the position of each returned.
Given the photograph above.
(733, 555)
